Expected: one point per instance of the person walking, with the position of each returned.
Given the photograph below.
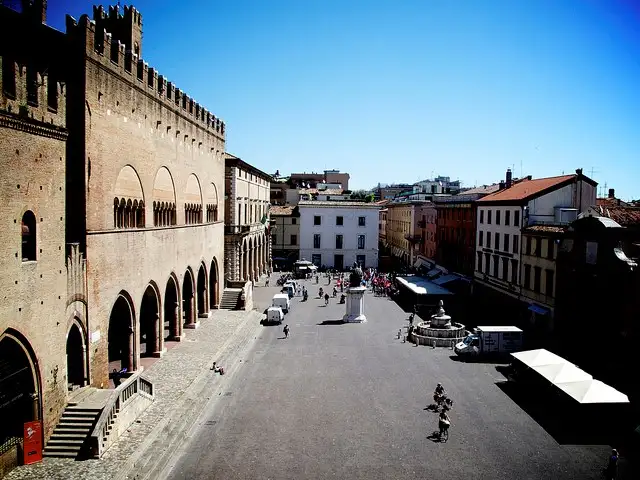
(611, 472)
(326, 299)
(286, 331)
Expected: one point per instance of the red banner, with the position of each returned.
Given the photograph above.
(32, 442)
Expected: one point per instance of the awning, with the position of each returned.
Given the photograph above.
(593, 391)
(539, 310)
(535, 358)
(563, 373)
(412, 286)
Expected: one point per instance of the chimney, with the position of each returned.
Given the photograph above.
(501, 187)
(612, 193)
(579, 171)
(509, 178)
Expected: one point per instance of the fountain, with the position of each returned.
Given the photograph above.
(355, 298)
(439, 331)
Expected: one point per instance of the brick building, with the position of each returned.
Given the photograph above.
(132, 193)
(427, 215)
(247, 247)
(456, 229)
(42, 347)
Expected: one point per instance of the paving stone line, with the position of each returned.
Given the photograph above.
(177, 379)
(160, 458)
(190, 396)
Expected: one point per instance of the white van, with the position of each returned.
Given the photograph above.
(281, 300)
(289, 289)
(274, 315)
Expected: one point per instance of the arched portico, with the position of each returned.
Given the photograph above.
(151, 328)
(20, 385)
(172, 311)
(202, 297)
(244, 260)
(121, 344)
(189, 300)
(76, 349)
(214, 298)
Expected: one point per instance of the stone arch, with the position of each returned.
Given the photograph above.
(188, 299)
(29, 229)
(150, 322)
(21, 385)
(251, 260)
(164, 198)
(172, 315)
(214, 285)
(121, 336)
(201, 292)
(193, 200)
(212, 203)
(76, 351)
(127, 189)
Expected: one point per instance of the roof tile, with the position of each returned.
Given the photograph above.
(525, 189)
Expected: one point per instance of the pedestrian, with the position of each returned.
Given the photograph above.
(286, 331)
(326, 299)
(611, 472)
(116, 378)
(266, 283)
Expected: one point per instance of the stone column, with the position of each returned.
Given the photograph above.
(130, 353)
(192, 321)
(205, 312)
(85, 375)
(157, 341)
(176, 334)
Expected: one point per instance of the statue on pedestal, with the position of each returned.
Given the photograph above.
(355, 279)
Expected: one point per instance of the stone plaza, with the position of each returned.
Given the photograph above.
(334, 400)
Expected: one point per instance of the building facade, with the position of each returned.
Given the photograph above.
(339, 234)
(246, 240)
(285, 235)
(404, 231)
(456, 229)
(501, 216)
(427, 221)
(42, 340)
(127, 201)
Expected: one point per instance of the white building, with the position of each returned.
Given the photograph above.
(337, 234)
(502, 215)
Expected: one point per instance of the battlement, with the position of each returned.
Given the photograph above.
(117, 57)
(31, 94)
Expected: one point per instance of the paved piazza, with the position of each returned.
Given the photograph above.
(345, 401)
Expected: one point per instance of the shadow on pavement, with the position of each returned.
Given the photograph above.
(489, 360)
(332, 322)
(558, 418)
(435, 437)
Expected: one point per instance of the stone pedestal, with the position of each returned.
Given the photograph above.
(355, 305)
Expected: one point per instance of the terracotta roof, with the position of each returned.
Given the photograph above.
(382, 202)
(281, 210)
(331, 191)
(546, 229)
(625, 216)
(486, 189)
(526, 189)
(309, 191)
(611, 202)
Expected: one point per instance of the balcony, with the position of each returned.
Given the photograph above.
(236, 229)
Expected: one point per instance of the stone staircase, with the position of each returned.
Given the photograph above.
(230, 298)
(77, 421)
(72, 431)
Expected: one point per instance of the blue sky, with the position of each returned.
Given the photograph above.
(397, 91)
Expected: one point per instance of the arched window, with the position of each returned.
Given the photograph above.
(28, 236)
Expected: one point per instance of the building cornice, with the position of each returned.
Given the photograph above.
(31, 126)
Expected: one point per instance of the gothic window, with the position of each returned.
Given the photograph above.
(192, 213)
(32, 86)
(9, 76)
(28, 236)
(212, 213)
(164, 214)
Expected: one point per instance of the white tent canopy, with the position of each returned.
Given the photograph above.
(593, 391)
(566, 376)
(562, 373)
(536, 358)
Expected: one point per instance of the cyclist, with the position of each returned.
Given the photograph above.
(444, 422)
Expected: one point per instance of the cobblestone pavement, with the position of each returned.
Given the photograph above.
(346, 401)
(183, 383)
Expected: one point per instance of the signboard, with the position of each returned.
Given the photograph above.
(32, 445)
